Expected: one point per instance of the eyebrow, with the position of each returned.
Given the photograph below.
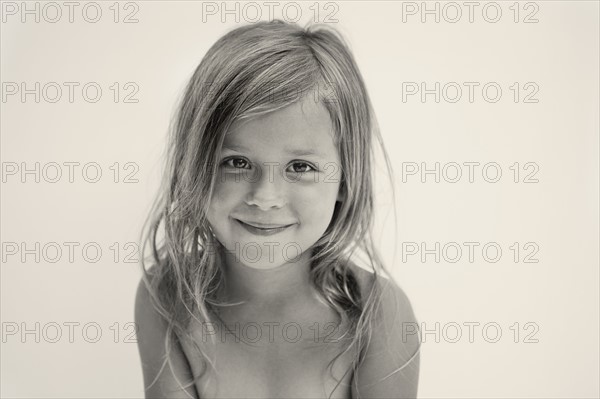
(296, 152)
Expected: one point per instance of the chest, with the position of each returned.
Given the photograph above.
(274, 361)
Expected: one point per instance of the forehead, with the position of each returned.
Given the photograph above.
(300, 126)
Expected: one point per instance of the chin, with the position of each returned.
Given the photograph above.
(261, 256)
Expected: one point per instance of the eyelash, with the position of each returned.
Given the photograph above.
(225, 161)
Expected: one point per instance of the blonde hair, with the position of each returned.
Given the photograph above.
(253, 70)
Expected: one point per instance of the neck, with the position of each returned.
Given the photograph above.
(266, 287)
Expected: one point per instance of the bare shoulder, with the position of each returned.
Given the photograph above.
(159, 380)
(145, 314)
(392, 294)
(150, 324)
(391, 365)
(395, 304)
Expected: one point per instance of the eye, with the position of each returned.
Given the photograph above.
(237, 162)
(303, 166)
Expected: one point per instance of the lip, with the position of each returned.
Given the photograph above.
(263, 231)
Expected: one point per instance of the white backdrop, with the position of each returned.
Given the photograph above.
(517, 87)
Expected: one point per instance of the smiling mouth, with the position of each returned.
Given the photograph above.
(271, 229)
(265, 226)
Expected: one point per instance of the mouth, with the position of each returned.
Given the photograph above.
(261, 229)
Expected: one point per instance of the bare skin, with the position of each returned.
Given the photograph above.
(278, 354)
(280, 366)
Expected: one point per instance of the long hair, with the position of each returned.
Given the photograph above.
(250, 71)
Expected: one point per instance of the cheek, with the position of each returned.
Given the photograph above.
(315, 202)
(225, 197)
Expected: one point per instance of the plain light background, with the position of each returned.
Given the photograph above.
(559, 213)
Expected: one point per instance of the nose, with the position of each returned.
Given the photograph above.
(268, 191)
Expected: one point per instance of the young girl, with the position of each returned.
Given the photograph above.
(267, 195)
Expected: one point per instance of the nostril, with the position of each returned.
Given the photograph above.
(265, 207)
(266, 201)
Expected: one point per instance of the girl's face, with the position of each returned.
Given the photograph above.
(280, 173)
